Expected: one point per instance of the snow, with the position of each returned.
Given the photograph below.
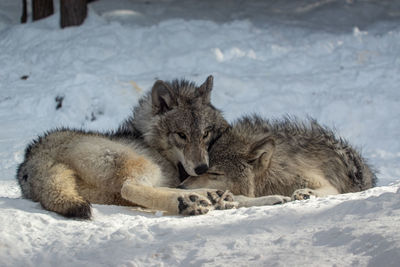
(337, 61)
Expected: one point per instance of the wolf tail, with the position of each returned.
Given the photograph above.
(360, 173)
(54, 186)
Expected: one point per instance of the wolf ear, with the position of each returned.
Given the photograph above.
(205, 89)
(261, 151)
(161, 97)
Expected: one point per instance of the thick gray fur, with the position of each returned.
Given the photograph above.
(259, 157)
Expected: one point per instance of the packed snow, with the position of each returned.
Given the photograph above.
(336, 61)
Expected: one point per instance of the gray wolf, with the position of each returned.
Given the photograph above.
(258, 157)
(141, 163)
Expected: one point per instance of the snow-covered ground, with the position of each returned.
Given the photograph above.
(337, 61)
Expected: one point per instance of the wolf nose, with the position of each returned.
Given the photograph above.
(201, 169)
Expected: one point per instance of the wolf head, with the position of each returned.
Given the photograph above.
(237, 158)
(178, 120)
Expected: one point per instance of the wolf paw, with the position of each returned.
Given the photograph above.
(302, 194)
(222, 200)
(193, 204)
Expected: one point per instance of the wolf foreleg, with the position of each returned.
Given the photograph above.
(171, 201)
(260, 201)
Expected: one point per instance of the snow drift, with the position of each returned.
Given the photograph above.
(337, 61)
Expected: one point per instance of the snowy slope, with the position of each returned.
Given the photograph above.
(337, 61)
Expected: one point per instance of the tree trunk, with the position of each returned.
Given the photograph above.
(73, 12)
(24, 16)
(41, 9)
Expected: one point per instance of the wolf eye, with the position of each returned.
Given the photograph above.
(215, 173)
(206, 134)
(182, 135)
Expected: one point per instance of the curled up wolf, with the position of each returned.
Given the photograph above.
(141, 163)
(258, 157)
